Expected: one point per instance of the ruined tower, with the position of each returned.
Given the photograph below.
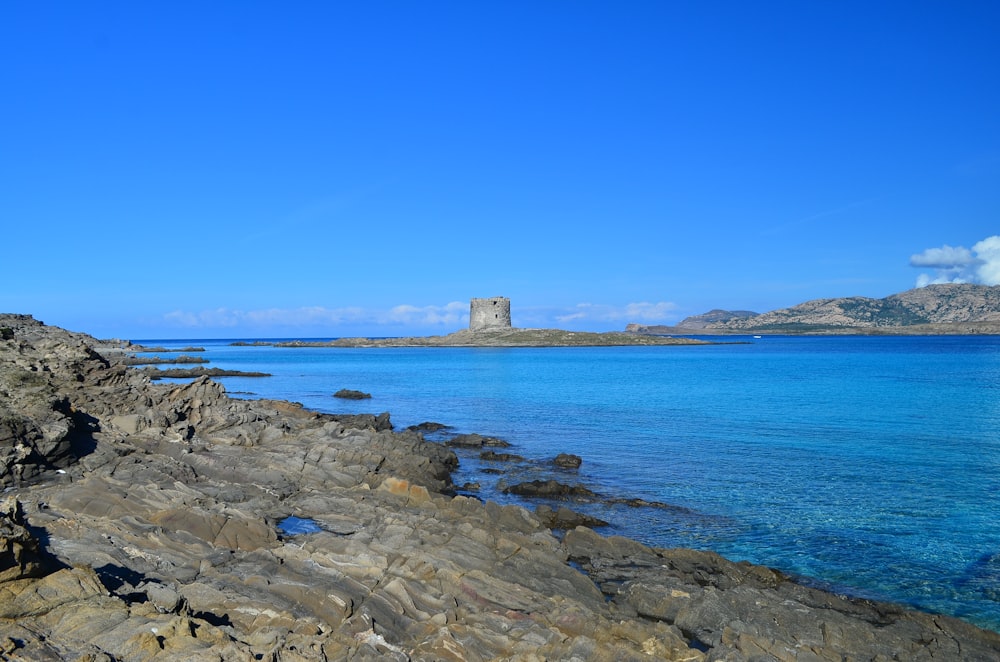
(492, 313)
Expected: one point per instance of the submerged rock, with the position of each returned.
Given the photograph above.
(476, 441)
(567, 461)
(429, 426)
(564, 518)
(548, 488)
(493, 456)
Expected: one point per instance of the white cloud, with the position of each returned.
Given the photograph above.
(988, 251)
(945, 257)
(957, 264)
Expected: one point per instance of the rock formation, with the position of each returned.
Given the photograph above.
(139, 521)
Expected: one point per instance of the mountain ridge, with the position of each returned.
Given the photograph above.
(934, 309)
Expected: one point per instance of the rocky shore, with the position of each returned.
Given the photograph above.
(147, 521)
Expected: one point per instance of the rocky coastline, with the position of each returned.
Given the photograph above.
(148, 521)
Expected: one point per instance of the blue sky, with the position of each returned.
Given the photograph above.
(251, 169)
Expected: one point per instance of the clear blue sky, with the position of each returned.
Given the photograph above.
(252, 169)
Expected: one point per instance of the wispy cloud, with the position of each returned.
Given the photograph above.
(631, 312)
(406, 318)
(448, 315)
(818, 216)
(957, 264)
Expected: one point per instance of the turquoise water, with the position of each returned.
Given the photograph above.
(869, 464)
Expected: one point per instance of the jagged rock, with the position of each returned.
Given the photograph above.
(365, 421)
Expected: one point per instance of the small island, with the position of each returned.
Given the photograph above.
(504, 338)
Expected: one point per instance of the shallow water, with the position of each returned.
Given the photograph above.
(869, 463)
(298, 526)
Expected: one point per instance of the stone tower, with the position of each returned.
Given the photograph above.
(493, 313)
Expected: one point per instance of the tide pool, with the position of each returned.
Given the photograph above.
(870, 464)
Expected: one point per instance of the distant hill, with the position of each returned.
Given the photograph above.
(946, 308)
(714, 317)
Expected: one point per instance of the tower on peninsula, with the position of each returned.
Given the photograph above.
(492, 313)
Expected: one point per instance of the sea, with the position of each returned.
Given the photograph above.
(866, 465)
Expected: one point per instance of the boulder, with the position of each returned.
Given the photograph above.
(349, 394)
(567, 461)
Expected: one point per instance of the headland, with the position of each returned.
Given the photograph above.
(149, 521)
(941, 309)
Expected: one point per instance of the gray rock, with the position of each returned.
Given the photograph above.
(548, 489)
(476, 441)
(738, 611)
(568, 461)
(564, 518)
(493, 456)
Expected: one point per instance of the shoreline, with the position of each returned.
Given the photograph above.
(147, 518)
(941, 329)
